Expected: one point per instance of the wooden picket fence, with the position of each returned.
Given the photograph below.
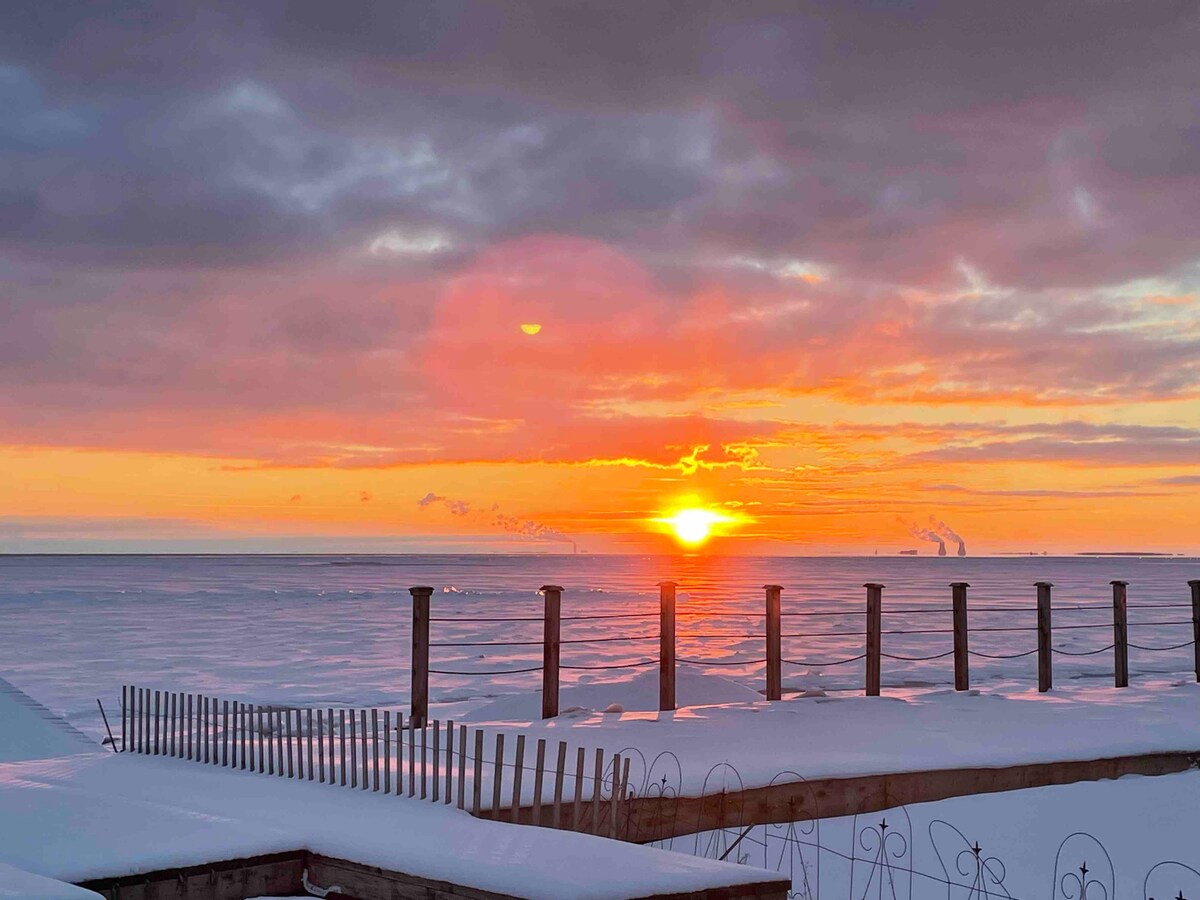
(382, 752)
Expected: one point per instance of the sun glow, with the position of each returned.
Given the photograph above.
(694, 526)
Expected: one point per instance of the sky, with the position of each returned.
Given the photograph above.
(825, 269)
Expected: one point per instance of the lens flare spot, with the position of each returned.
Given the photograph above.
(531, 328)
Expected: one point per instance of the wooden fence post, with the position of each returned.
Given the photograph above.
(1195, 586)
(550, 649)
(774, 666)
(666, 645)
(124, 718)
(1045, 650)
(1120, 634)
(874, 644)
(420, 653)
(962, 663)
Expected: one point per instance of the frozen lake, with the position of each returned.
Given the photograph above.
(335, 630)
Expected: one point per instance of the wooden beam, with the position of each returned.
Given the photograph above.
(652, 819)
(232, 879)
(371, 883)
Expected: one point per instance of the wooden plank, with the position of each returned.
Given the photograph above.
(874, 647)
(321, 746)
(622, 828)
(596, 784)
(653, 820)
(666, 645)
(497, 774)
(412, 757)
(420, 653)
(174, 695)
(424, 758)
(206, 734)
(375, 748)
(400, 754)
(559, 774)
(270, 874)
(353, 752)
(283, 746)
(437, 753)
(449, 758)
(518, 770)
(1045, 654)
(551, 647)
(387, 751)
(225, 733)
(539, 775)
(1120, 634)
(157, 730)
(366, 764)
(580, 761)
(462, 766)
(774, 664)
(261, 740)
(243, 738)
(124, 717)
(308, 716)
(962, 662)
(614, 798)
(477, 787)
(371, 883)
(1194, 584)
(295, 742)
(341, 719)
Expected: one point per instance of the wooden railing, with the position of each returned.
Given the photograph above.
(873, 652)
(382, 752)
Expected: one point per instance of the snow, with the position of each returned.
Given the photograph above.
(692, 688)
(1121, 829)
(70, 812)
(824, 737)
(21, 885)
(104, 814)
(33, 732)
(330, 631)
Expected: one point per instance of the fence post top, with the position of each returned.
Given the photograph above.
(1043, 584)
(873, 584)
(420, 591)
(668, 584)
(954, 584)
(1121, 583)
(1194, 582)
(773, 587)
(547, 588)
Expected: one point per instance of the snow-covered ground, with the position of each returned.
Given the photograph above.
(90, 813)
(1136, 836)
(325, 632)
(832, 736)
(336, 631)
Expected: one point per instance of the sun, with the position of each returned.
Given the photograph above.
(694, 526)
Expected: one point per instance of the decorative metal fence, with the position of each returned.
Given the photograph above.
(880, 855)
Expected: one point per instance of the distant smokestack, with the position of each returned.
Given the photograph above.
(926, 535)
(943, 530)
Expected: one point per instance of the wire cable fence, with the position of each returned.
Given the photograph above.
(716, 637)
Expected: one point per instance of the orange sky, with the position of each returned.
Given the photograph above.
(621, 410)
(828, 270)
